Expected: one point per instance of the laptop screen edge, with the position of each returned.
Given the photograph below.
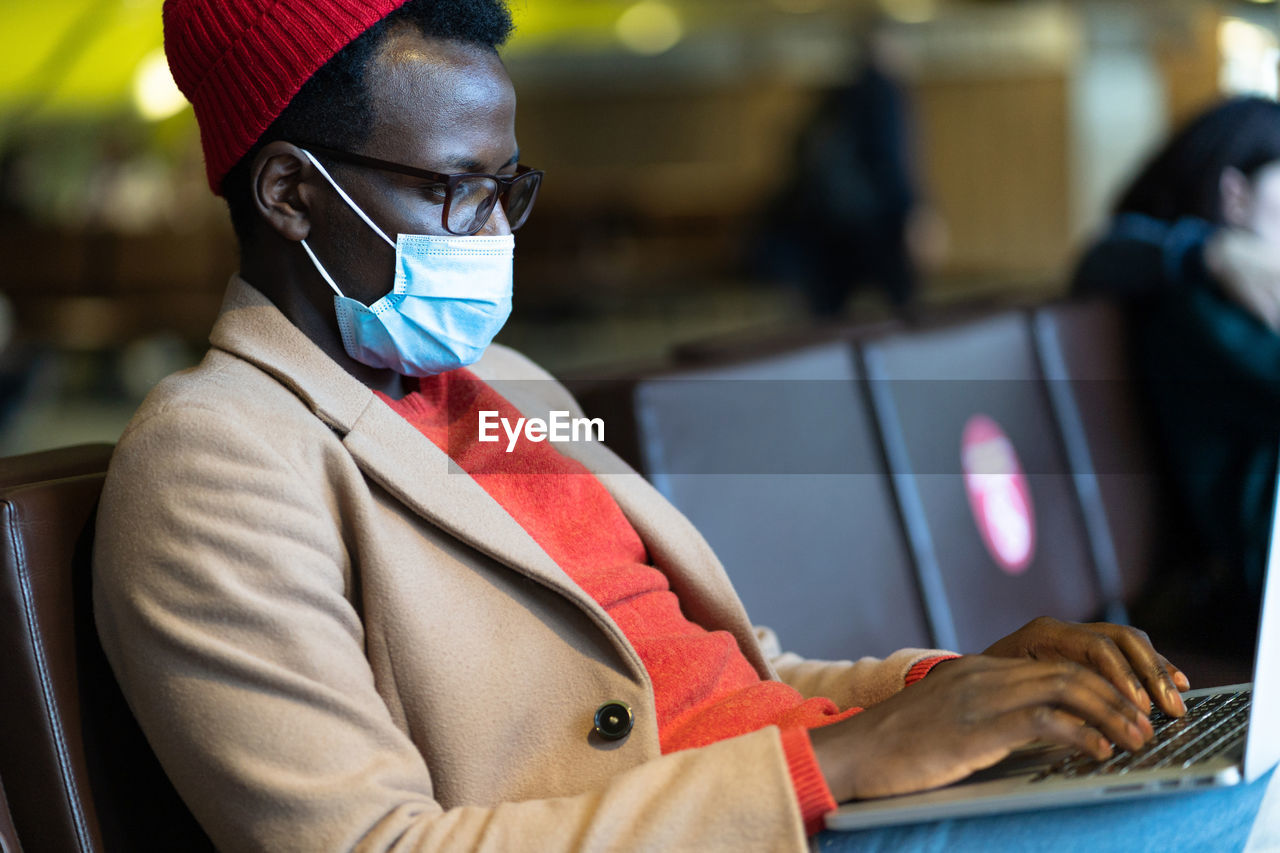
(1262, 749)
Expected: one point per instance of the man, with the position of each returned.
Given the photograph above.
(344, 621)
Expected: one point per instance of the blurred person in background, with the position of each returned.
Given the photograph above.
(1194, 251)
(850, 214)
(346, 621)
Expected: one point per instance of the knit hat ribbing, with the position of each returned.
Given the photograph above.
(240, 62)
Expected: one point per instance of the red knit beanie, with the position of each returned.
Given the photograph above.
(240, 62)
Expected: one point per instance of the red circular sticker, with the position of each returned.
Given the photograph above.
(998, 494)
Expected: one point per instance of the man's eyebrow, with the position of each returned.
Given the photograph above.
(468, 164)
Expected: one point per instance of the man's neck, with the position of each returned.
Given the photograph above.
(303, 297)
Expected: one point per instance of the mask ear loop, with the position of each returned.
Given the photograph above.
(347, 199)
(324, 273)
(341, 192)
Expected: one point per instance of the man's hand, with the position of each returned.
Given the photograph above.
(968, 714)
(1124, 656)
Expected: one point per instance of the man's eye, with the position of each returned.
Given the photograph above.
(434, 193)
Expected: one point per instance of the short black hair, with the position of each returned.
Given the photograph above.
(1184, 178)
(334, 107)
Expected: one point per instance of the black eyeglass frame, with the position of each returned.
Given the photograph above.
(449, 181)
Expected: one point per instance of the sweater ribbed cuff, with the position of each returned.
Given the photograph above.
(806, 777)
(922, 668)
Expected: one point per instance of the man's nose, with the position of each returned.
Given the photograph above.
(497, 226)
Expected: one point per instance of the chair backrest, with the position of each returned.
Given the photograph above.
(1083, 349)
(81, 776)
(981, 474)
(54, 464)
(776, 461)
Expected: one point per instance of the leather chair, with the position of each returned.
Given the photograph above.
(775, 460)
(930, 389)
(54, 464)
(81, 775)
(8, 835)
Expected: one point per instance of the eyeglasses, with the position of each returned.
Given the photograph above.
(469, 197)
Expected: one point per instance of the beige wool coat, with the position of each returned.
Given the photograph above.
(334, 639)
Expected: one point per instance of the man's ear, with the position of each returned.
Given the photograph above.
(1237, 197)
(278, 181)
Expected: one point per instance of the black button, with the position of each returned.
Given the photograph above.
(614, 720)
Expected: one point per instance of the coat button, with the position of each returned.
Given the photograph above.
(614, 720)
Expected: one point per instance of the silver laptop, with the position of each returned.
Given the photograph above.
(1229, 735)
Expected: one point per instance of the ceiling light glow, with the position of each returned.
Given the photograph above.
(650, 27)
(155, 94)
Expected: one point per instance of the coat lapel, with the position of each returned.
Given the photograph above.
(422, 477)
(389, 450)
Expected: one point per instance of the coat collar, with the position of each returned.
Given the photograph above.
(409, 466)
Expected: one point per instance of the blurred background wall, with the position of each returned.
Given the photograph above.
(665, 126)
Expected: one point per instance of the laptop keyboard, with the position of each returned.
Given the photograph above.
(1212, 725)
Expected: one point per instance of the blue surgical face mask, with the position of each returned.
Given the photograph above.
(451, 295)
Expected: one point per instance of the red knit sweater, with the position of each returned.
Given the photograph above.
(704, 689)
